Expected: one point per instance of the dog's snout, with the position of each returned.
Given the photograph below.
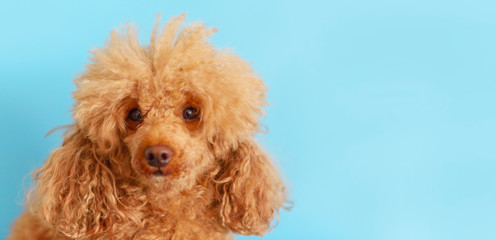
(158, 155)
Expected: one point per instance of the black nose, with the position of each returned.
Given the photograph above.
(158, 155)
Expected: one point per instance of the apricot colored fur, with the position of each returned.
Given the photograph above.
(97, 185)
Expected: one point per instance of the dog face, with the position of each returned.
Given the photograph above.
(174, 106)
(167, 125)
(165, 138)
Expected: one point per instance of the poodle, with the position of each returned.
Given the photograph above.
(161, 146)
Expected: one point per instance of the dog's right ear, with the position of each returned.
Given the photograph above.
(76, 191)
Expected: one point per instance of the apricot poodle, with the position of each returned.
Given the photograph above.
(161, 147)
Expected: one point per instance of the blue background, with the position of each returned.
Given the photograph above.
(382, 114)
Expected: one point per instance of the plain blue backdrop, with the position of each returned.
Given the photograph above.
(382, 117)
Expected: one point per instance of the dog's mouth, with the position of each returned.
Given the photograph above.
(161, 173)
(164, 171)
(158, 173)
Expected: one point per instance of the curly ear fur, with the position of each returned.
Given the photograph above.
(249, 190)
(76, 190)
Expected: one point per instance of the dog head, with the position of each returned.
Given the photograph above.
(160, 118)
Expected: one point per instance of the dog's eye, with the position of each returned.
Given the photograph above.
(190, 113)
(135, 115)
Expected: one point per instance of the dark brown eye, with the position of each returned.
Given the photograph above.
(135, 115)
(190, 113)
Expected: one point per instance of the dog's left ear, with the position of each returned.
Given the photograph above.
(249, 190)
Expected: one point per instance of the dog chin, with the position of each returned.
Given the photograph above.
(169, 184)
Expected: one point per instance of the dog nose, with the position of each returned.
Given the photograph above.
(158, 155)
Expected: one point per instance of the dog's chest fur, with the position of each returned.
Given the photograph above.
(189, 214)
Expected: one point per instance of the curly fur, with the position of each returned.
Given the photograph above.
(96, 185)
